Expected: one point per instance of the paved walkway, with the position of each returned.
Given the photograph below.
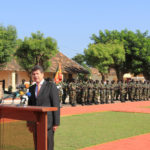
(141, 142)
(139, 107)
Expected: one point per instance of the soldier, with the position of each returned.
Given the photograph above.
(117, 90)
(107, 93)
(96, 88)
(64, 88)
(144, 90)
(122, 87)
(78, 91)
(90, 91)
(102, 92)
(127, 90)
(60, 92)
(72, 93)
(140, 90)
(137, 91)
(112, 91)
(84, 93)
(133, 90)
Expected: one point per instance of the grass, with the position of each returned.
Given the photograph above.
(79, 131)
(85, 130)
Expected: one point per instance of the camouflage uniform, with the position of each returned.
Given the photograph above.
(117, 91)
(96, 92)
(84, 93)
(90, 92)
(136, 91)
(65, 89)
(144, 91)
(112, 91)
(78, 92)
(102, 93)
(140, 91)
(72, 93)
(107, 93)
(133, 89)
(60, 91)
(122, 87)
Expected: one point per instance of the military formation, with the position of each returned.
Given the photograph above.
(90, 92)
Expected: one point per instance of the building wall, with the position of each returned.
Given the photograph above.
(21, 75)
(12, 77)
(6, 75)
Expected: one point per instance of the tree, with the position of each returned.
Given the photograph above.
(36, 50)
(145, 66)
(117, 52)
(7, 44)
(80, 59)
(133, 43)
(104, 56)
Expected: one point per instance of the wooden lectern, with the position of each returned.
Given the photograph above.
(30, 113)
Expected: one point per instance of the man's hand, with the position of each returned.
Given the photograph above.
(54, 128)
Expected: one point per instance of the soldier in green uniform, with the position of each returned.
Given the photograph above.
(133, 90)
(102, 92)
(127, 90)
(122, 88)
(60, 92)
(90, 91)
(84, 92)
(64, 88)
(107, 93)
(140, 90)
(117, 90)
(144, 93)
(136, 91)
(96, 89)
(72, 93)
(78, 91)
(112, 91)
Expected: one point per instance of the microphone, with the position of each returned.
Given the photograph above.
(28, 94)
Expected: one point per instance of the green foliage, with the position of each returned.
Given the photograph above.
(7, 44)
(80, 59)
(136, 45)
(36, 50)
(103, 56)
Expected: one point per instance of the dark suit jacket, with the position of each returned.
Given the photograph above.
(48, 97)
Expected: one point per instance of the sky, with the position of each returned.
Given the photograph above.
(72, 22)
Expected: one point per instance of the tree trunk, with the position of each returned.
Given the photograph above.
(119, 75)
(103, 77)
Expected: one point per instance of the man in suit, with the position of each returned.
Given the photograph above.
(45, 93)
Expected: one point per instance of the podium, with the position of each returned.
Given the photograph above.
(30, 113)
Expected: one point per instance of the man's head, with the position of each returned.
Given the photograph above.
(37, 74)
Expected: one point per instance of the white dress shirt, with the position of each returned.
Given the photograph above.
(36, 89)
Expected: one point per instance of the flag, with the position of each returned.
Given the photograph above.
(58, 75)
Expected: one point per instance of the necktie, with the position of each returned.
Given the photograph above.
(38, 89)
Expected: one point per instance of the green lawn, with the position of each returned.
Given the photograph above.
(81, 131)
